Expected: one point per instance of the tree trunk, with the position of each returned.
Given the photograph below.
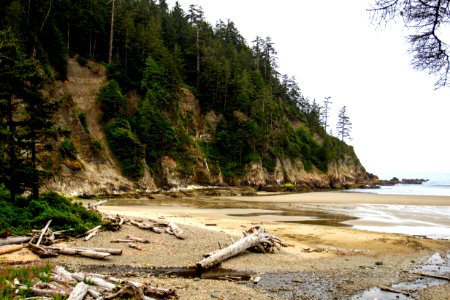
(111, 35)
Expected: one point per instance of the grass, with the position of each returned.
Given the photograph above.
(26, 275)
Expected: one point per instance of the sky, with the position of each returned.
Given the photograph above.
(399, 121)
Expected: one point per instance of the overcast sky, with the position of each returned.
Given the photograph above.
(400, 122)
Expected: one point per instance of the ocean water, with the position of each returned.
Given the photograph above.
(430, 221)
(438, 185)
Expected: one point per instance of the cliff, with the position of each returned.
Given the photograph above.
(95, 169)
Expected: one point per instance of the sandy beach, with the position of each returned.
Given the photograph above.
(320, 262)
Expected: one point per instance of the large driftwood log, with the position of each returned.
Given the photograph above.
(81, 252)
(172, 228)
(41, 251)
(10, 248)
(79, 291)
(15, 240)
(112, 251)
(258, 237)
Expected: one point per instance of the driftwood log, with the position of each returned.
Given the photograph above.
(81, 252)
(43, 232)
(144, 225)
(10, 248)
(257, 238)
(112, 251)
(91, 233)
(78, 293)
(172, 228)
(41, 251)
(15, 240)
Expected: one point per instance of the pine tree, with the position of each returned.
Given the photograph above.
(343, 126)
(25, 118)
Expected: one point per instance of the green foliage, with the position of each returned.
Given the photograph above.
(96, 147)
(68, 149)
(24, 214)
(112, 102)
(126, 147)
(27, 276)
(154, 130)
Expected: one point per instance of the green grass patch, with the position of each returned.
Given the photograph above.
(27, 276)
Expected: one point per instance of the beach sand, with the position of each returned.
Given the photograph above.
(320, 262)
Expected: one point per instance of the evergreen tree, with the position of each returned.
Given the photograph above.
(25, 118)
(344, 125)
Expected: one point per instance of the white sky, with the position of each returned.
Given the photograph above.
(399, 121)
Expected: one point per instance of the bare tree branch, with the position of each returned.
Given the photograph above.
(430, 53)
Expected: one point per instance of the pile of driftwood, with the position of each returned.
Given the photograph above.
(78, 286)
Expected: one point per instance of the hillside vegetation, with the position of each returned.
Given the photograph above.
(183, 101)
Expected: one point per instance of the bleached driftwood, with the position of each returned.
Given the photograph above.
(48, 292)
(15, 240)
(112, 251)
(172, 228)
(95, 280)
(41, 251)
(78, 293)
(134, 246)
(92, 232)
(144, 225)
(254, 237)
(138, 239)
(81, 252)
(10, 248)
(43, 232)
(153, 291)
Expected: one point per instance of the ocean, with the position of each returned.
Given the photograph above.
(429, 221)
(438, 185)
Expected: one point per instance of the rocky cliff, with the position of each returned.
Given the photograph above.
(94, 170)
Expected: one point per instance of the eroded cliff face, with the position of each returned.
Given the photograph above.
(96, 172)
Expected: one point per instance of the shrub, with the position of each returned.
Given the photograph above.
(68, 150)
(21, 216)
(112, 102)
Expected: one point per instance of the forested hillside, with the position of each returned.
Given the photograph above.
(182, 99)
